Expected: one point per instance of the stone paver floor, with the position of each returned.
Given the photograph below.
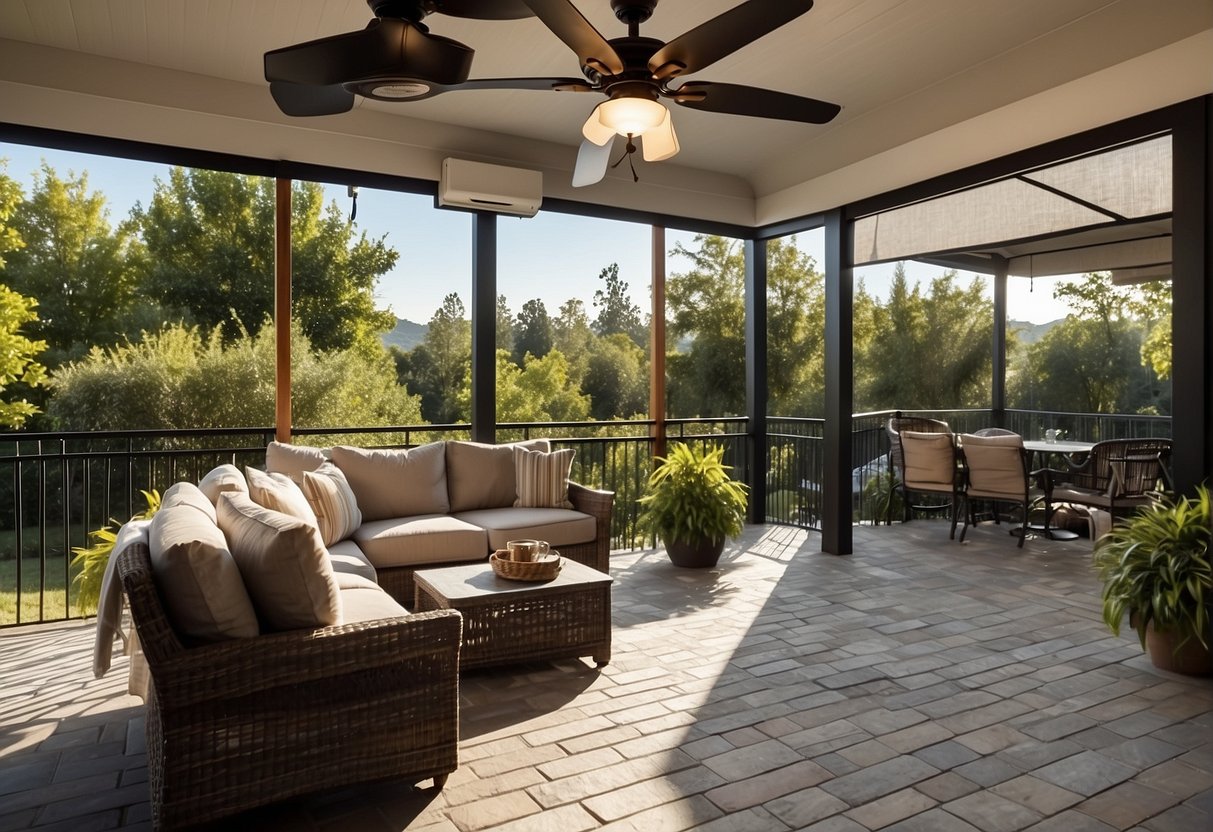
(919, 684)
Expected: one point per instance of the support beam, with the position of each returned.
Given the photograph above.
(1191, 298)
(657, 406)
(484, 327)
(998, 380)
(756, 375)
(836, 531)
(282, 309)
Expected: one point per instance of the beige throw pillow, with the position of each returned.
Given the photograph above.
(203, 592)
(226, 477)
(331, 498)
(482, 476)
(280, 493)
(293, 460)
(284, 565)
(543, 479)
(187, 494)
(394, 483)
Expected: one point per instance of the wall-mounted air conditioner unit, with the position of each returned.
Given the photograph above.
(484, 187)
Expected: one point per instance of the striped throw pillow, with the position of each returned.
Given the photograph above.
(542, 479)
(331, 497)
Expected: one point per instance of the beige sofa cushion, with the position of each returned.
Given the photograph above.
(283, 562)
(558, 526)
(187, 494)
(331, 498)
(431, 538)
(293, 460)
(482, 476)
(279, 493)
(223, 478)
(203, 592)
(363, 600)
(347, 559)
(542, 479)
(396, 483)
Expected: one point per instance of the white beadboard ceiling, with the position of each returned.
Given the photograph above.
(903, 70)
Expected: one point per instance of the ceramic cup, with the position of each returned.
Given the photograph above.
(526, 550)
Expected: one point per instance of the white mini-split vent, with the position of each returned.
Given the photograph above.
(485, 187)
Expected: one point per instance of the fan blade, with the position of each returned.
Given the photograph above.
(311, 100)
(661, 142)
(723, 35)
(592, 162)
(595, 131)
(484, 9)
(751, 101)
(386, 47)
(557, 84)
(570, 26)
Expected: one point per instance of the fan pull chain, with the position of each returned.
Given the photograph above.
(627, 154)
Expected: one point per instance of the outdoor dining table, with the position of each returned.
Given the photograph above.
(1041, 449)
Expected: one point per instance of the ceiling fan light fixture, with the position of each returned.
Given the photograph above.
(595, 131)
(632, 116)
(661, 142)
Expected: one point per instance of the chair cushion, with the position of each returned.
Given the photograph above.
(542, 479)
(187, 494)
(283, 562)
(558, 526)
(428, 538)
(223, 478)
(929, 459)
(203, 592)
(279, 493)
(396, 483)
(482, 476)
(996, 467)
(293, 460)
(347, 559)
(363, 600)
(331, 498)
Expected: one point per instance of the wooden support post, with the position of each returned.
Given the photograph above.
(282, 309)
(657, 345)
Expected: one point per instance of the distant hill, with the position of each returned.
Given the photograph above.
(1030, 333)
(405, 335)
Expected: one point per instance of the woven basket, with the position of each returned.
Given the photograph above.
(544, 569)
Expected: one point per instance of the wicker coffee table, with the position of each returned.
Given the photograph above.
(505, 621)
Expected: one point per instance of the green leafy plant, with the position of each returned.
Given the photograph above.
(92, 559)
(881, 498)
(1156, 566)
(690, 497)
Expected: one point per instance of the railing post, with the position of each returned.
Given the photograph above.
(756, 374)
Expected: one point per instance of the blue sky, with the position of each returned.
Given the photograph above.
(553, 257)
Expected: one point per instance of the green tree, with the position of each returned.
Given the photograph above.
(929, 349)
(505, 326)
(795, 332)
(533, 332)
(209, 237)
(440, 368)
(616, 312)
(573, 336)
(617, 378)
(17, 353)
(539, 391)
(183, 377)
(77, 266)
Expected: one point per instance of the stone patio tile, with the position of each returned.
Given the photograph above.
(1180, 819)
(1127, 804)
(946, 787)
(756, 819)
(838, 823)
(579, 763)
(988, 771)
(881, 779)
(1143, 752)
(918, 736)
(992, 813)
(1086, 773)
(1058, 727)
(638, 797)
(933, 820)
(947, 755)
(571, 818)
(1071, 821)
(767, 786)
(677, 816)
(891, 808)
(805, 807)
(1037, 794)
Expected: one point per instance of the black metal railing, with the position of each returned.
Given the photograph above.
(56, 487)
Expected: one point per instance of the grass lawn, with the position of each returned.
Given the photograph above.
(54, 601)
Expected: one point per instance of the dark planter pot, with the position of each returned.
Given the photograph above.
(700, 555)
(1193, 659)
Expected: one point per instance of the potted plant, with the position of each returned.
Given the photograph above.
(693, 505)
(1156, 566)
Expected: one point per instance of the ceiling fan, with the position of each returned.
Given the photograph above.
(396, 59)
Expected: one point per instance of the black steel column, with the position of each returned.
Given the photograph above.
(756, 374)
(484, 327)
(1191, 299)
(998, 381)
(836, 533)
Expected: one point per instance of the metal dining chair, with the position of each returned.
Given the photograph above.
(996, 469)
(1118, 475)
(932, 466)
(897, 465)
